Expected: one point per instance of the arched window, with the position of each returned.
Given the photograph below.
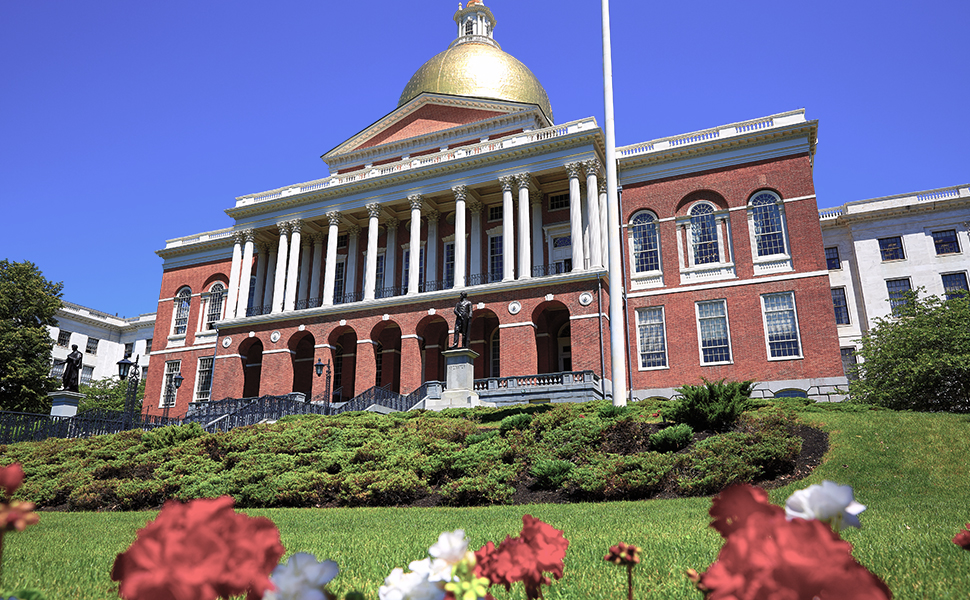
(180, 316)
(495, 354)
(469, 27)
(703, 229)
(215, 302)
(645, 243)
(769, 231)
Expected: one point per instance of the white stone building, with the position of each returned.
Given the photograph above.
(878, 249)
(103, 339)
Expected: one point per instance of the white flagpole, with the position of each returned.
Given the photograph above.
(617, 320)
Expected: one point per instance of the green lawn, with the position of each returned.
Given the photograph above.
(911, 470)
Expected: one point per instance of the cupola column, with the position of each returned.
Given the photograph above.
(317, 239)
(234, 275)
(330, 272)
(293, 264)
(245, 273)
(475, 243)
(592, 168)
(508, 229)
(390, 255)
(460, 248)
(575, 216)
(370, 266)
(525, 243)
(414, 250)
(431, 251)
(279, 287)
(260, 278)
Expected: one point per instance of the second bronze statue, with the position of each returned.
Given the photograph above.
(463, 319)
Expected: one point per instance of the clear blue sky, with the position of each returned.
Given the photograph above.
(128, 123)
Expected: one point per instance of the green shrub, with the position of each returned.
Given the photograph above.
(482, 489)
(613, 412)
(612, 476)
(712, 406)
(573, 436)
(673, 438)
(381, 488)
(551, 473)
(519, 421)
(164, 437)
(735, 457)
(481, 436)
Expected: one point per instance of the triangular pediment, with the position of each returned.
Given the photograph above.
(425, 121)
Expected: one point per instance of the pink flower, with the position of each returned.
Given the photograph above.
(732, 507)
(623, 554)
(962, 539)
(540, 548)
(17, 515)
(199, 551)
(11, 477)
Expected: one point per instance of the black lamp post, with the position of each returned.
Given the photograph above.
(125, 371)
(319, 367)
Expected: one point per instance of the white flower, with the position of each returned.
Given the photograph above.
(451, 547)
(301, 578)
(829, 502)
(436, 569)
(409, 586)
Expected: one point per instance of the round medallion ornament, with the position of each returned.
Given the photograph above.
(302, 328)
(274, 337)
(226, 342)
(586, 298)
(514, 307)
(252, 334)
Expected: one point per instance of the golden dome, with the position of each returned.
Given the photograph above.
(478, 70)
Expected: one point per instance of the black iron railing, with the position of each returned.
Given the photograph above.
(223, 415)
(26, 427)
(548, 270)
(255, 311)
(348, 297)
(390, 292)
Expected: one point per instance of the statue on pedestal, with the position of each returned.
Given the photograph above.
(72, 370)
(463, 320)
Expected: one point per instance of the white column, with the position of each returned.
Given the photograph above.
(390, 255)
(537, 254)
(370, 267)
(592, 168)
(317, 239)
(353, 250)
(234, 275)
(508, 230)
(305, 263)
(604, 224)
(525, 245)
(575, 216)
(260, 276)
(292, 265)
(431, 248)
(330, 272)
(475, 243)
(270, 277)
(282, 253)
(460, 252)
(245, 273)
(415, 248)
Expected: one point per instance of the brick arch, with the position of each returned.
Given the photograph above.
(683, 207)
(549, 318)
(214, 277)
(251, 353)
(301, 345)
(433, 330)
(484, 325)
(343, 356)
(387, 354)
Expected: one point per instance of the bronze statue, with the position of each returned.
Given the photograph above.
(463, 320)
(72, 370)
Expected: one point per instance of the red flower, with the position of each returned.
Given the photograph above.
(17, 515)
(199, 551)
(623, 554)
(11, 477)
(962, 539)
(539, 548)
(731, 509)
(770, 557)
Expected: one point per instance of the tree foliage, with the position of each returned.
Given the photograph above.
(28, 302)
(919, 360)
(109, 394)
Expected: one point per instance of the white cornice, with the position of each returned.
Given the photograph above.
(887, 206)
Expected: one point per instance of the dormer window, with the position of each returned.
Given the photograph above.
(469, 27)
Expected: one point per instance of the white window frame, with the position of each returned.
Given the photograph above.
(700, 337)
(769, 263)
(177, 302)
(956, 238)
(889, 296)
(663, 328)
(171, 368)
(690, 272)
(558, 196)
(495, 354)
(60, 334)
(848, 313)
(644, 279)
(490, 276)
(88, 346)
(406, 266)
(966, 279)
(205, 326)
(448, 282)
(200, 394)
(86, 376)
(764, 322)
(902, 247)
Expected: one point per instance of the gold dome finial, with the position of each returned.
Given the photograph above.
(474, 65)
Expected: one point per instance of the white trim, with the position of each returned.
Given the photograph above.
(592, 316)
(727, 325)
(798, 333)
(230, 356)
(636, 324)
(520, 324)
(280, 351)
(723, 284)
(180, 349)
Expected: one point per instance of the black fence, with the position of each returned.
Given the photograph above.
(382, 397)
(223, 415)
(26, 427)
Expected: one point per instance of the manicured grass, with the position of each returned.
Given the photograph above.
(911, 470)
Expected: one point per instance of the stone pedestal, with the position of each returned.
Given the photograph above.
(459, 381)
(64, 403)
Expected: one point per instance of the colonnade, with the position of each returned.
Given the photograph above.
(284, 282)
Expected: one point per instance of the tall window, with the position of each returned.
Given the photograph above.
(495, 264)
(891, 248)
(768, 230)
(898, 289)
(712, 327)
(495, 213)
(86, 374)
(217, 294)
(203, 380)
(652, 338)
(841, 306)
(955, 285)
(495, 355)
(172, 368)
(558, 201)
(57, 370)
(703, 229)
(181, 316)
(406, 271)
(946, 241)
(450, 265)
(92, 346)
(646, 243)
(338, 282)
(129, 349)
(148, 346)
(832, 260)
(849, 362)
(781, 325)
(63, 338)
(379, 275)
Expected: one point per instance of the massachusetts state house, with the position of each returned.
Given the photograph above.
(471, 185)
